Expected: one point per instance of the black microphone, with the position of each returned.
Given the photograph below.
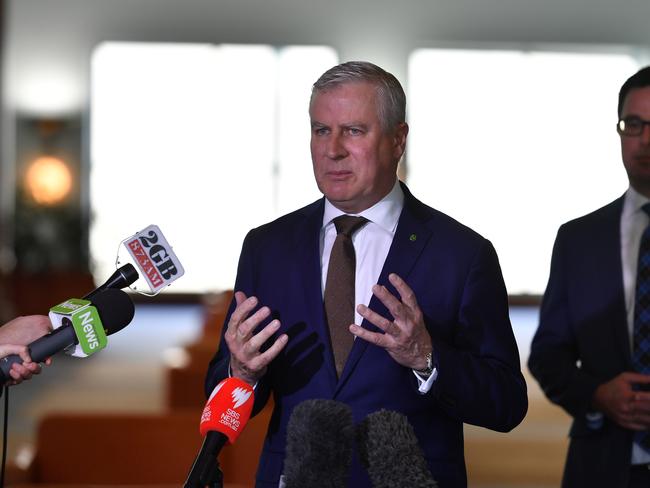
(123, 277)
(389, 450)
(115, 310)
(320, 436)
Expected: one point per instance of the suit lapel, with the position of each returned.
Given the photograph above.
(612, 266)
(308, 259)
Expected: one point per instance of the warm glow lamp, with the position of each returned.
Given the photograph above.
(48, 180)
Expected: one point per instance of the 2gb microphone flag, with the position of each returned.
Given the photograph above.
(150, 252)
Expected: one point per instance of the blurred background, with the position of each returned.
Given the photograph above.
(193, 116)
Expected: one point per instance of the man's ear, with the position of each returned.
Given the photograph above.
(399, 139)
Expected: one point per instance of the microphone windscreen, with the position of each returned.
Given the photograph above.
(115, 309)
(320, 435)
(389, 450)
(228, 408)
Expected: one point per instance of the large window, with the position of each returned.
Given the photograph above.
(514, 143)
(204, 141)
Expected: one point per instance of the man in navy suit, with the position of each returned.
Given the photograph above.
(432, 336)
(582, 351)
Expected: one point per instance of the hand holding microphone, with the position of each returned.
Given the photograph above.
(15, 335)
(85, 323)
(110, 311)
(19, 372)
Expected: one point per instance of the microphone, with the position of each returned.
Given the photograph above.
(123, 277)
(82, 322)
(320, 435)
(389, 450)
(224, 417)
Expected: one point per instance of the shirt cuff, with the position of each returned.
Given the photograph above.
(425, 384)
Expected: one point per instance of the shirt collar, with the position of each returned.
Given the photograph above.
(633, 203)
(384, 213)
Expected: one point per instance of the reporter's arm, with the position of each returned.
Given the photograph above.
(24, 330)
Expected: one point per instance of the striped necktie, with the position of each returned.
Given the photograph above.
(641, 335)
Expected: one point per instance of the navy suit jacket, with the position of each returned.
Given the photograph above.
(457, 280)
(583, 341)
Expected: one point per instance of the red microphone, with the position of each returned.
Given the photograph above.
(224, 417)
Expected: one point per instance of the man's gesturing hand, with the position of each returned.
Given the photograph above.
(405, 338)
(246, 361)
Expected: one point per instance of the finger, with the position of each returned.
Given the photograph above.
(240, 313)
(271, 353)
(246, 328)
(34, 368)
(632, 425)
(642, 419)
(240, 296)
(18, 372)
(381, 340)
(7, 349)
(380, 321)
(391, 302)
(405, 292)
(632, 377)
(256, 342)
(24, 355)
(641, 397)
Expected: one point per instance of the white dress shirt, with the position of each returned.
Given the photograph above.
(371, 245)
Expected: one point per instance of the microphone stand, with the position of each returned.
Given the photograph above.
(205, 471)
(215, 476)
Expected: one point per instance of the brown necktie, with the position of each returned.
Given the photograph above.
(339, 288)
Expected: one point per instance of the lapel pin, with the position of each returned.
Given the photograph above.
(413, 237)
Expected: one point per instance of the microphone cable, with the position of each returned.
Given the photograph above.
(5, 391)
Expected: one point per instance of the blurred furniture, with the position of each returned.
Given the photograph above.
(35, 293)
(114, 449)
(129, 449)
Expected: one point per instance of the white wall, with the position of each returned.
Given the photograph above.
(54, 38)
(47, 44)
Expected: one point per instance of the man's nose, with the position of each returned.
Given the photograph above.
(645, 135)
(336, 147)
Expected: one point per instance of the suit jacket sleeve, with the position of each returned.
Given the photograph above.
(480, 380)
(555, 349)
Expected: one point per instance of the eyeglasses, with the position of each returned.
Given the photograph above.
(631, 126)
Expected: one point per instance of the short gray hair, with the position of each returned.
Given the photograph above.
(392, 100)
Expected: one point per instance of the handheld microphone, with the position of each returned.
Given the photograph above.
(389, 450)
(124, 276)
(88, 322)
(224, 417)
(320, 435)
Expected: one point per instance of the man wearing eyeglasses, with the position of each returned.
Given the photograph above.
(591, 352)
